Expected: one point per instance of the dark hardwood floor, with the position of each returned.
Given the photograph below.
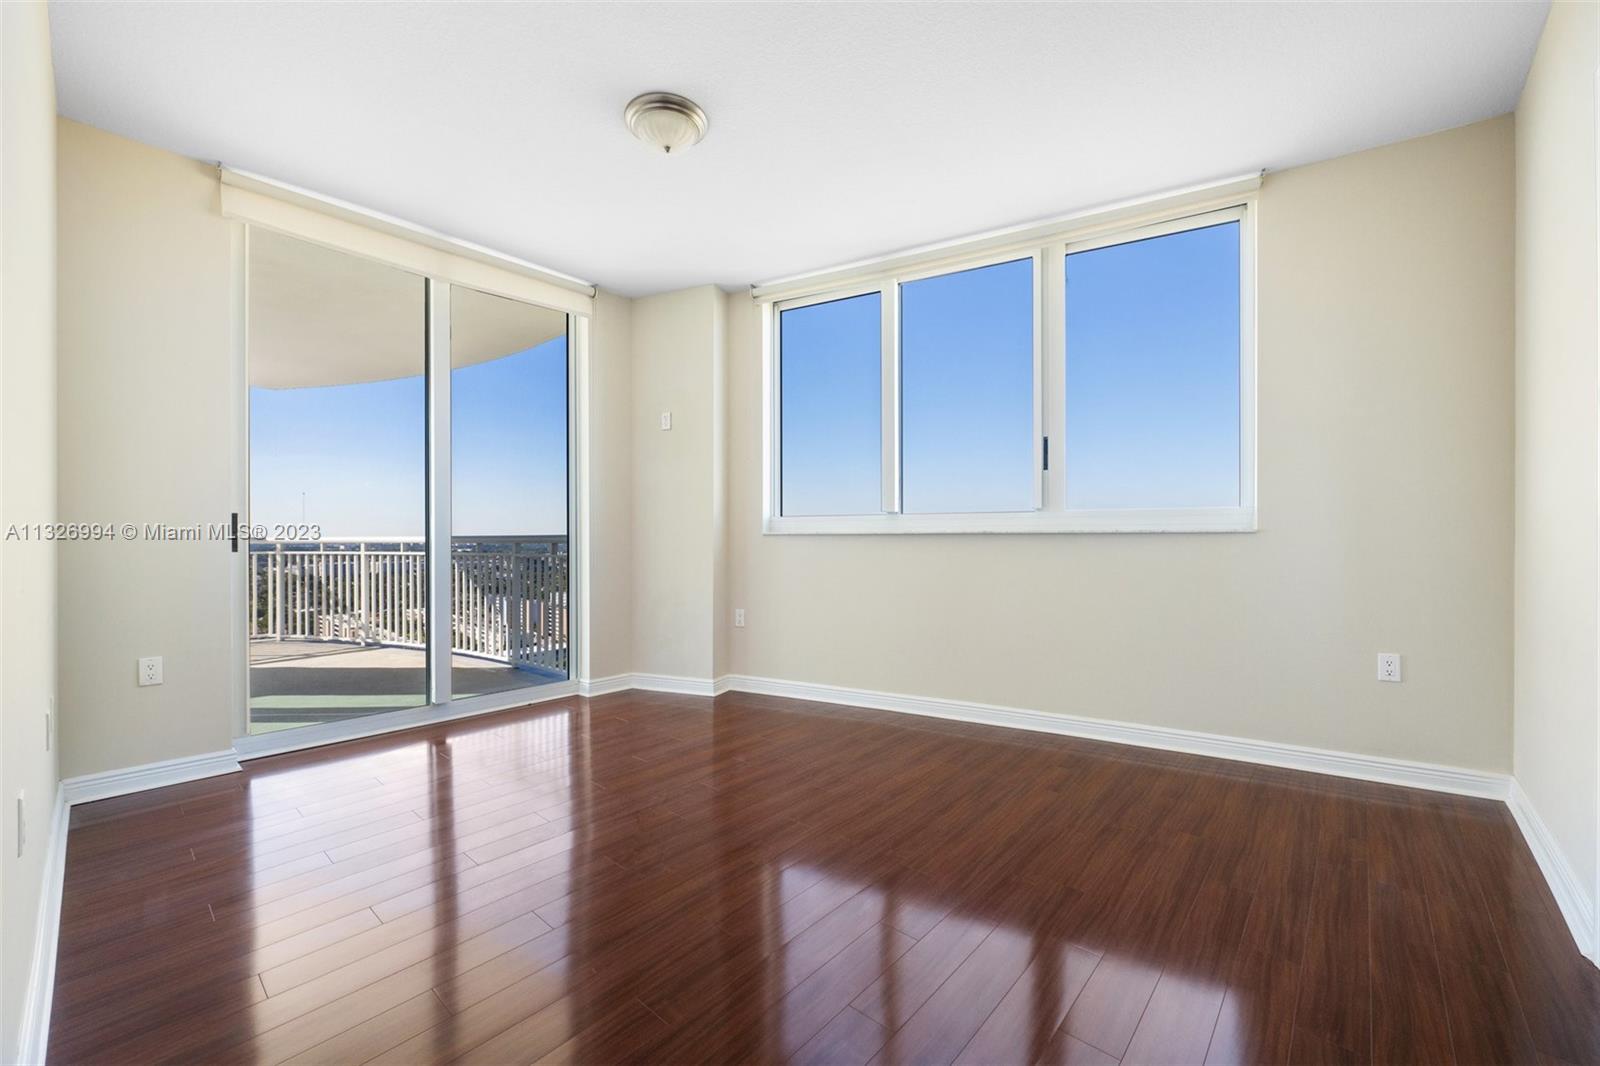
(667, 879)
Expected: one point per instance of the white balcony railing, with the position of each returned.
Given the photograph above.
(508, 595)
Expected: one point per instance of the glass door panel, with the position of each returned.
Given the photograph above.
(337, 597)
(509, 558)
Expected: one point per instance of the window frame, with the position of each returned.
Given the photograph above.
(1050, 513)
(888, 389)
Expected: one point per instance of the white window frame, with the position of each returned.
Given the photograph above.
(1050, 513)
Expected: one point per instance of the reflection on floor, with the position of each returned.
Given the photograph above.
(668, 879)
(297, 682)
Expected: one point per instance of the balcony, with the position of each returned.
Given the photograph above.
(338, 628)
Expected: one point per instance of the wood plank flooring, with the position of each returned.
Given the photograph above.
(650, 878)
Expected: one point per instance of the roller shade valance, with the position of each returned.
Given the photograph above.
(334, 224)
(1195, 199)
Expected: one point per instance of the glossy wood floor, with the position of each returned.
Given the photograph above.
(666, 879)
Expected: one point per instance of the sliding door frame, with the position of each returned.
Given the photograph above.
(437, 317)
(441, 707)
(239, 641)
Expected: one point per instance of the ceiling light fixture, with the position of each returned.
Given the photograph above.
(665, 120)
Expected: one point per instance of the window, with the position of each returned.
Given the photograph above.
(832, 407)
(966, 370)
(1153, 372)
(1101, 380)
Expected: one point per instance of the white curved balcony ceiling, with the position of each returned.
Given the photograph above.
(321, 317)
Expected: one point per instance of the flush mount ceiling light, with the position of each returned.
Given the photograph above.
(665, 120)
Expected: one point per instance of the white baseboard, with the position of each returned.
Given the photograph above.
(684, 686)
(34, 1037)
(604, 686)
(1270, 753)
(1576, 906)
(91, 787)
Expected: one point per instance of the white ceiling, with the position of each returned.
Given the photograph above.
(837, 131)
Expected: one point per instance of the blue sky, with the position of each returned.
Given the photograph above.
(966, 373)
(1153, 372)
(357, 452)
(508, 423)
(832, 417)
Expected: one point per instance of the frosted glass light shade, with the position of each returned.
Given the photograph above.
(665, 121)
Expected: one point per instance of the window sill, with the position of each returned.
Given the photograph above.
(1173, 520)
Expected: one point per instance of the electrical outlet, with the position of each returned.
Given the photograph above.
(666, 419)
(738, 617)
(22, 824)
(1389, 666)
(150, 671)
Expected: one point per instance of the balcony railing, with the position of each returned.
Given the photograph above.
(508, 595)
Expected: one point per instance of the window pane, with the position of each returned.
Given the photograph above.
(509, 571)
(832, 407)
(338, 607)
(1153, 372)
(966, 366)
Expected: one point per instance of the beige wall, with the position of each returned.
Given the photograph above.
(1385, 498)
(609, 452)
(27, 485)
(721, 605)
(1558, 434)
(147, 424)
(677, 355)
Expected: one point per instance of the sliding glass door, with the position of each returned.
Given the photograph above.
(509, 560)
(338, 434)
(341, 565)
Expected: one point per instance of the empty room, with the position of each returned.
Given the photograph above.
(786, 532)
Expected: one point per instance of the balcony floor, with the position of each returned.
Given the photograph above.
(297, 682)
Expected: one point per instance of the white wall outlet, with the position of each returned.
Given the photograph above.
(738, 617)
(1389, 666)
(150, 671)
(666, 419)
